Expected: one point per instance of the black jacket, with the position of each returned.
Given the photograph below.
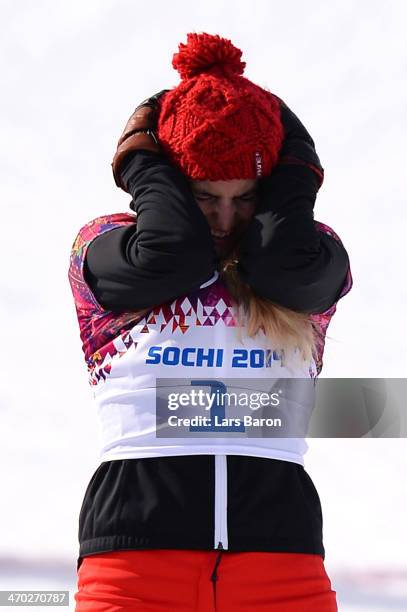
(170, 251)
(165, 502)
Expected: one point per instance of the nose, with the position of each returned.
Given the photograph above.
(226, 215)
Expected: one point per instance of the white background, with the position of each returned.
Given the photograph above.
(71, 74)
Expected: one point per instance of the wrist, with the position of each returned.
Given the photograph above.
(300, 152)
(287, 185)
(317, 170)
(140, 139)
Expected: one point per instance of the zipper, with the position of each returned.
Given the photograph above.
(221, 494)
(214, 576)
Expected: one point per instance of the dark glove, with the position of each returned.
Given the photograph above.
(138, 134)
(298, 146)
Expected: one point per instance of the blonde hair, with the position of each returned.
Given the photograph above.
(287, 328)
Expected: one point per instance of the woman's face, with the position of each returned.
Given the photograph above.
(228, 207)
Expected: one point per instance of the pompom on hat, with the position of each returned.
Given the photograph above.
(216, 124)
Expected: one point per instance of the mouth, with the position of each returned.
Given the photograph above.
(221, 236)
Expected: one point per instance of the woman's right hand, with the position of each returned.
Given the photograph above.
(139, 133)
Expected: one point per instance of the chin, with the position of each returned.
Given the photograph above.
(223, 253)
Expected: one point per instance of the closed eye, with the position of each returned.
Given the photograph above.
(210, 196)
(204, 196)
(247, 197)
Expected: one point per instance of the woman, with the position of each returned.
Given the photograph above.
(223, 275)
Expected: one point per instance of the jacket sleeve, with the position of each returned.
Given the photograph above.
(283, 255)
(166, 253)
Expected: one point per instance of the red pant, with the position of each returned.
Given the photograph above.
(203, 581)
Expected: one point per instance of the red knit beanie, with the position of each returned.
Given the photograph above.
(216, 124)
